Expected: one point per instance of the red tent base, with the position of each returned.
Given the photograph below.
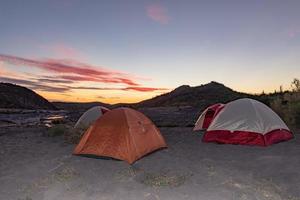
(247, 138)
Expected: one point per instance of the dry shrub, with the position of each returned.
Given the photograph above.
(57, 130)
(127, 173)
(66, 174)
(73, 135)
(287, 106)
(162, 179)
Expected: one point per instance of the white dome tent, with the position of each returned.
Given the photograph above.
(207, 116)
(90, 116)
(247, 121)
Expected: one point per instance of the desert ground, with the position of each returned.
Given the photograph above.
(36, 167)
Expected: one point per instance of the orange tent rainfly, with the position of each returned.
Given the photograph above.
(122, 133)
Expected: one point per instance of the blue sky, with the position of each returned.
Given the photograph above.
(249, 46)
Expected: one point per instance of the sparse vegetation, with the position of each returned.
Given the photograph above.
(128, 173)
(65, 174)
(287, 105)
(26, 198)
(295, 85)
(57, 130)
(73, 135)
(163, 179)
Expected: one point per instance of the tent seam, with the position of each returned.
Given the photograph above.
(131, 137)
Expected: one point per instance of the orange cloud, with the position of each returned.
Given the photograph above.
(1, 68)
(292, 33)
(145, 89)
(5, 72)
(157, 13)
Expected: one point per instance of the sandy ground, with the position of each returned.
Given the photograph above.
(33, 166)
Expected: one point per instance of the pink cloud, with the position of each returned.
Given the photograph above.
(68, 72)
(98, 79)
(41, 85)
(73, 70)
(292, 33)
(66, 51)
(62, 50)
(157, 13)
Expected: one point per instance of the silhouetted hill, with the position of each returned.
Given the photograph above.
(182, 106)
(198, 96)
(78, 106)
(14, 96)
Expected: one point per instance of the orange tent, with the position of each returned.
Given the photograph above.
(122, 133)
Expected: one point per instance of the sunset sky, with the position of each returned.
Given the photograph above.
(127, 51)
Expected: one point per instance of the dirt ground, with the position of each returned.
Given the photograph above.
(35, 167)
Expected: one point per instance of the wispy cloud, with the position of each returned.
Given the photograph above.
(66, 51)
(69, 68)
(92, 88)
(1, 68)
(138, 89)
(40, 85)
(5, 72)
(66, 76)
(98, 79)
(145, 89)
(34, 85)
(157, 13)
(62, 50)
(53, 80)
(114, 97)
(294, 32)
(103, 97)
(100, 97)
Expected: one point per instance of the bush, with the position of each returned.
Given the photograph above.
(296, 113)
(73, 135)
(56, 130)
(287, 106)
(162, 179)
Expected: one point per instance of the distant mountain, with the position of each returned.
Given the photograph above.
(78, 106)
(199, 96)
(182, 106)
(14, 96)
